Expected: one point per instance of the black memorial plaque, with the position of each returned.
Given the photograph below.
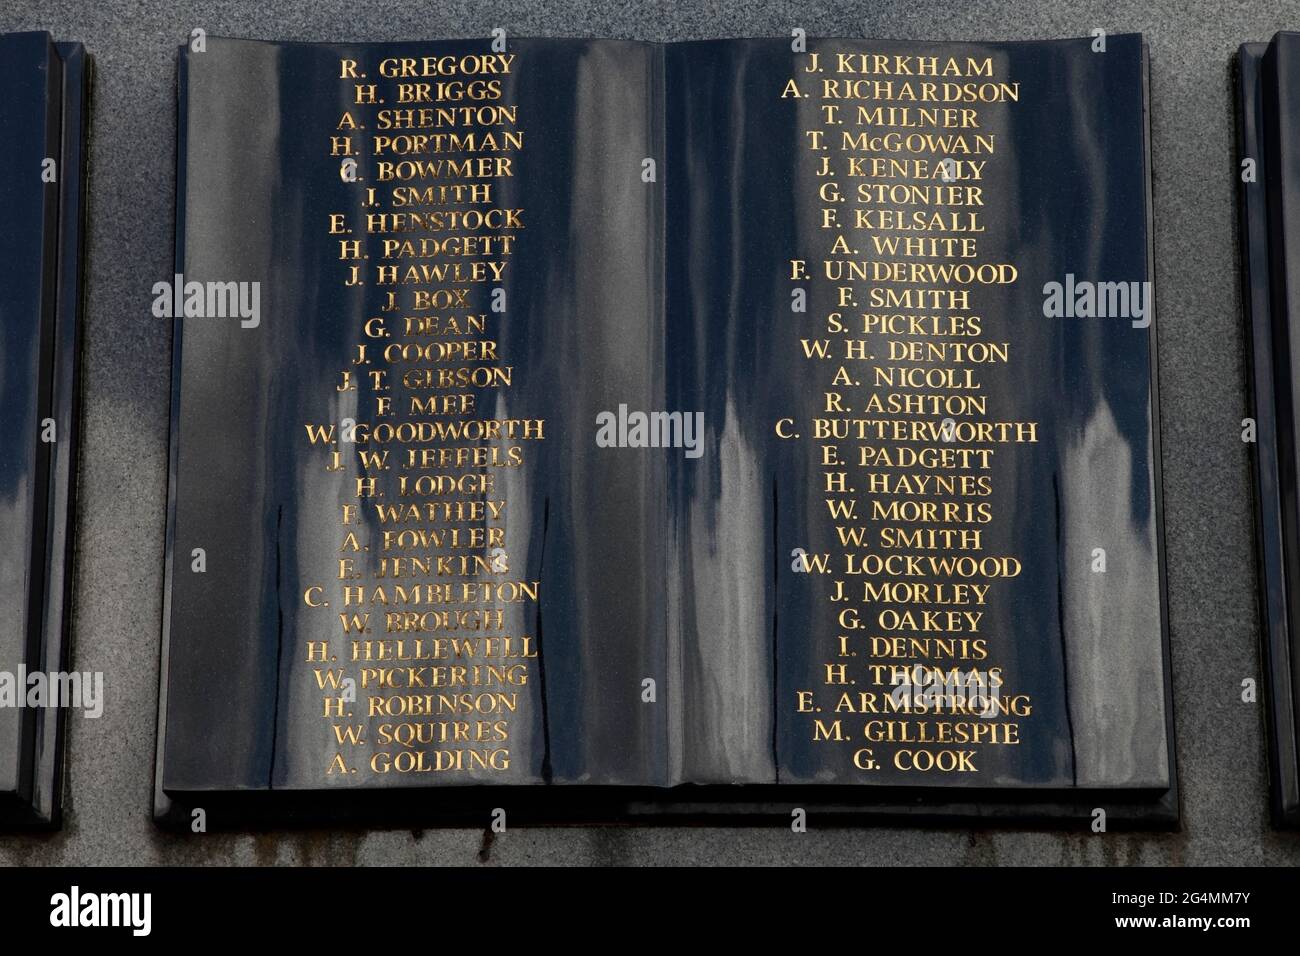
(1268, 87)
(618, 431)
(44, 92)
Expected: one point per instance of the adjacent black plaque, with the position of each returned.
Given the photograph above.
(44, 91)
(606, 431)
(1268, 81)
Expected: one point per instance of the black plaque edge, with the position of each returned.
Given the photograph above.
(61, 571)
(686, 805)
(163, 808)
(17, 806)
(1277, 651)
(40, 806)
(1172, 794)
(1135, 809)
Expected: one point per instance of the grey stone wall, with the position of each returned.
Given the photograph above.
(123, 474)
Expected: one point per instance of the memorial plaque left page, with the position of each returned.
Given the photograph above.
(409, 277)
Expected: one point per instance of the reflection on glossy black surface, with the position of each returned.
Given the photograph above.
(43, 93)
(652, 565)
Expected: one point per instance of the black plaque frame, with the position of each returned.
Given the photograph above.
(36, 801)
(1261, 131)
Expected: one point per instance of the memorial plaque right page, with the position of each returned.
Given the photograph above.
(910, 288)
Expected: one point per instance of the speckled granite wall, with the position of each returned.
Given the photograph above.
(123, 474)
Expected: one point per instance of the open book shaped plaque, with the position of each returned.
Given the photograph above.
(612, 431)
